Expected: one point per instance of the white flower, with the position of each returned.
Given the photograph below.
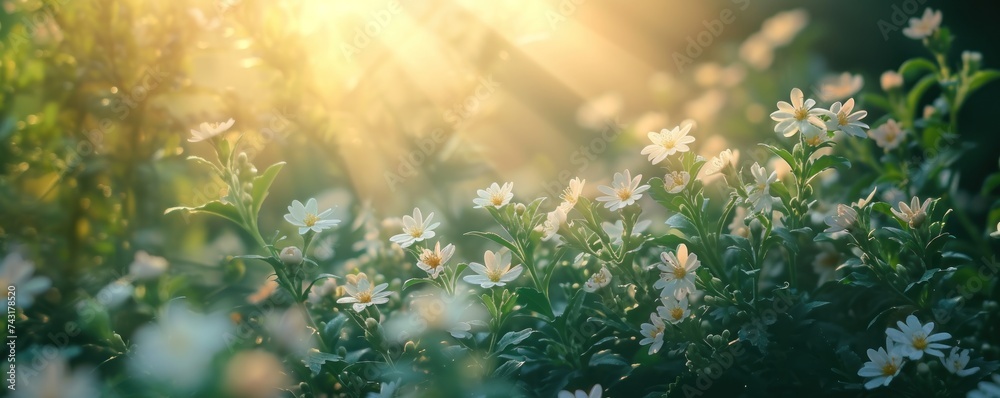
(601, 279)
(386, 390)
(653, 333)
(145, 266)
(674, 310)
(987, 389)
(595, 392)
(572, 194)
(924, 26)
(115, 293)
(415, 229)
(882, 366)
(322, 289)
(914, 214)
(720, 162)
(290, 255)
(888, 136)
(432, 261)
(362, 293)
(891, 80)
(956, 361)
(290, 330)
(209, 130)
(495, 195)
(996, 234)
(496, 271)
(624, 191)
(52, 378)
(836, 88)
(616, 231)
(308, 217)
(916, 339)
(676, 181)
(844, 219)
(797, 116)
(668, 142)
(760, 192)
(179, 348)
(553, 220)
(841, 119)
(677, 273)
(16, 271)
(861, 203)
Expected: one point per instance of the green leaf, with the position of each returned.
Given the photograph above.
(316, 359)
(915, 67)
(607, 358)
(535, 301)
(218, 208)
(508, 369)
(981, 78)
(496, 238)
(415, 281)
(917, 92)
(261, 185)
(991, 183)
(515, 337)
(781, 153)
(828, 161)
(879, 101)
(490, 306)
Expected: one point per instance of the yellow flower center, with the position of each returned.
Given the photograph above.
(600, 279)
(310, 219)
(624, 193)
(669, 142)
(431, 259)
(496, 199)
(920, 342)
(416, 232)
(678, 179)
(655, 332)
(677, 313)
(889, 369)
(842, 119)
(801, 114)
(494, 274)
(679, 272)
(364, 297)
(814, 140)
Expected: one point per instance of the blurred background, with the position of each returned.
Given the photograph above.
(380, 106)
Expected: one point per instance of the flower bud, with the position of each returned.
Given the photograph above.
(291, 255)
(972, 60)
(917, 220)
(519, 208)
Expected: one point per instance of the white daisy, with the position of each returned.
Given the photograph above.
(676, 181)
(956, 361)
(308, 217)
(841, 119)
(882, 366)
(595, 392)
(677, 273)
(725, 159)
(361, 292)
(760, 192)
(797, 116)
(145, 266)
(987, 389)
(553, 220)
(668, 142)
(914, 214)
(888, 136)
(415, 229)
(601, 279)
(495, 195)
(836, 88)
(924, 26)
(572, 194)
(674, 310)
(844, 219)
(496, 271)
(915, 339)
(179, 347)
(209, 130)
(432, 261)
(624, 191)
(653, 333)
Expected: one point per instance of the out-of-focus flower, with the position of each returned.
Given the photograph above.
(433, 261)
(290, 330)
(891, 80)
(553, 220)
(291, 255)
(308, 217)
(739, 226)
(996, 234)
(415, 229)
(674, 310)
(718, 163)
(836, 88)
(760, 192)
(495, 195)
(676, 181)
(677, 273)
(16, 271)
(882, 366)
(845, 219)
(924, 26)
(178, 348)
(617, 230)
(798, 115)
(145, 266)
(54, 380)
(495, 272)
(362, 293)
(255, 374)
(264, 291)
(648, 121)
(652, 333)
(914, 214)
(888, 136)
(668, 142)
(956, 361)
(321, 289)
(115, 293)
(841, 119)
(595, 392)
(597, 113)
(624, 191)
(987, 389)
(706, 107)
(386, 390)
(782, 28)
(601, 279)
(209, 130)
(825, 264)
(915, 339)
(757, 51)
